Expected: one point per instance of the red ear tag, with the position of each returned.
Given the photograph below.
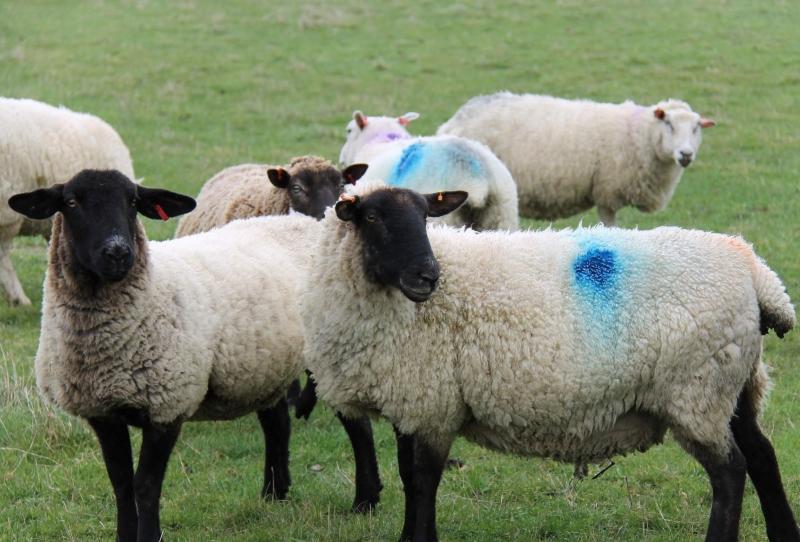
(161, 214)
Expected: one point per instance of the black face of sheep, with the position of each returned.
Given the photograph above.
(99, 210)
(391, 223)
(313, 191)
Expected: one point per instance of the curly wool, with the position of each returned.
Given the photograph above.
(177, 337)
(569, 155)
(243, 191)
(576, 345)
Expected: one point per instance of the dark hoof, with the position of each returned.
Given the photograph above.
(454, 463)
(275, 492)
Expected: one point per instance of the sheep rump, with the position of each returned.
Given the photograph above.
(575, 345)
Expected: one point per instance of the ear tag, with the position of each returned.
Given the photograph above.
(439, 197)
(161, 214)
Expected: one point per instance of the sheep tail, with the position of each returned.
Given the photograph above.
(777, 311)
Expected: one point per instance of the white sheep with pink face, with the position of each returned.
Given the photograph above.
(429, 164)
(568, 156)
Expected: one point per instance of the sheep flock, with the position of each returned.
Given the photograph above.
(402, 284)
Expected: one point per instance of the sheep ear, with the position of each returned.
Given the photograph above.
(406, 119)
(157, 203)
(353, 173)
(279, 177)
(39, 204)
(659, 113)
(346, 207)
(360, 118)
(441, 203)
(707, 123)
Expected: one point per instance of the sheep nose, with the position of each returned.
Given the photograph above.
(116, 252)
(432, 276)
(686, 158)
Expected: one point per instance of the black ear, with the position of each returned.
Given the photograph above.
(346, 207)
(442, 203)
(279, 177)
(158, 203)
(39, 204)
(353, 173)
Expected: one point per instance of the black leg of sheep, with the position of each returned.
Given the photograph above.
(762, 466)
(115, 444)
(276, 426)
(368, 481)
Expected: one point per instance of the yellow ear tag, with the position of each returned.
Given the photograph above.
(440, 197)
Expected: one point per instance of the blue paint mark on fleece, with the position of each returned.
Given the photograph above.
(596, 269)
(444, 163)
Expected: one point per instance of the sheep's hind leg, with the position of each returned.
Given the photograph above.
(762, 466)
(368, 480)
(607, 216)
(157, 445)
(115, 444)
(277, 429)
(727, 475)
(307, 399)
(8, 277)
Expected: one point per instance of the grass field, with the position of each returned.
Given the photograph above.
(195, 86)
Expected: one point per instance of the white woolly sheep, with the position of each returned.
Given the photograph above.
(43, 145)
(570, 155)
(574, 345)
(307, 185)
(156, 334)
(434, 163)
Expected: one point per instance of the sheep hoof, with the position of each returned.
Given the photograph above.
(454, 463)
(365, 506)
(272, 493)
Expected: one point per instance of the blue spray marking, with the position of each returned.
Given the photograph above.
(598, 272)
(596, 269)
(435, 166)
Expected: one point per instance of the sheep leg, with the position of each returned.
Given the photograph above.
(277, 429)
(307, 399)
(421, 466)
(157, 445)
(762, 466)
(607, 216)
(368, 480)
(727, 476)
(115, 443)
(8, 277)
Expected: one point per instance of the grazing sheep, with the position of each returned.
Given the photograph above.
(574, 345)
(43, 145)
(427, 164)
(153, 334)
(307, 186)
(570, 155)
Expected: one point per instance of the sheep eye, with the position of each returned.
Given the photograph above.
(371, 217)
(297, 189)
(72, 202)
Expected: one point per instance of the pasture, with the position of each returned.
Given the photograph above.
(194, 86)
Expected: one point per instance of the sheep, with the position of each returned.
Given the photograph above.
(570, 155)
(575, 345)
(307, 185)
(43, 145)
(153, 334)
(435, 163)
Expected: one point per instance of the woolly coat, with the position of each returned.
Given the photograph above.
(431, 164)
(205, 327)
(242, 191)
(575, 345)
(570, 155)
(41, 145)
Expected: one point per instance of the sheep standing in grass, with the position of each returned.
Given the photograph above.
(574, 345)
(307, 186)
(155, 334)
(435, 163)
(42, 145)
(568, 156)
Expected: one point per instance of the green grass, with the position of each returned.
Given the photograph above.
(195, 86)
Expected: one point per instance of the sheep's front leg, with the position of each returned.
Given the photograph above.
(368, 480)
(762, 466)
(607, 216)
(8, 277)
(157, 445)
(277, 429)
(405, 463)
(115, 444)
